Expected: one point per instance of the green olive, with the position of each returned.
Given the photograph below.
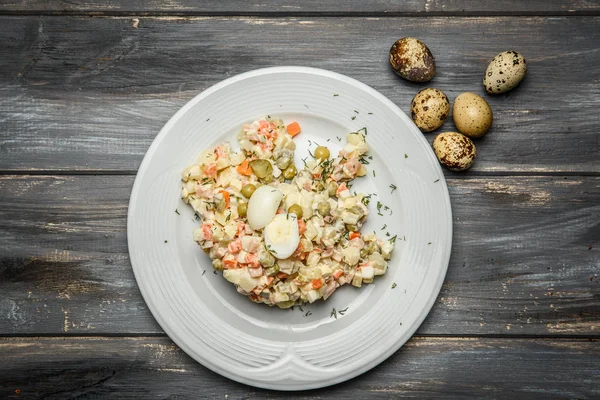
(295, 209)
(261, 168)
(242, 209)
(247, 190)
(324, 208)
(322, 153)
(290, 172)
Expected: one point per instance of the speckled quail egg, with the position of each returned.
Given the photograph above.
(412, 60)
(504, 72)
(429, 109)
(472, 115)
(454, 150)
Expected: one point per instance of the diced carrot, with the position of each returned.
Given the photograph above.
(338, 273)
(226, 197)
(354, 235)
(293, 129)
(301, 226)
(299, 250)
(235, 246)
(219, 152)
(244, 168)
(252, 260)
(229, 263)
(210, 171)
(207, 231)
(282, 275)
(317, 283)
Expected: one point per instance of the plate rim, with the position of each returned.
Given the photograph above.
(206, 362)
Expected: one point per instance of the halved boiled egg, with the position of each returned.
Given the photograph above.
(263, 205)
(282, 236)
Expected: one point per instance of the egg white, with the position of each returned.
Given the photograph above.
(282, 235)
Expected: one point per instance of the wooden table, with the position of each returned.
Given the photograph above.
(85, 87)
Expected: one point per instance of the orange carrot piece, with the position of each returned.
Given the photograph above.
(244, 168)
(338, 273)
(317, 283)
(293, 129)
(301, 227)
(354, 235)
(226, 197)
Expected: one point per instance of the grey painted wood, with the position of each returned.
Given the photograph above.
(90, 94)
(524, 259)
(487, 7)
(155, 368)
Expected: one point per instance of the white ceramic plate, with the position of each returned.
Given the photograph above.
(292, 349)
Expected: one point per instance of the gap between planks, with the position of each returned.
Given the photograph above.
(300, 14)
(450, 176)
(556, 337)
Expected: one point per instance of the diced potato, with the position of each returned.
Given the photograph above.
(326, 271)
(351, 255)
(386, 250)
(242, 278)
(217, 233)
(344, 194)
(285, 266)
(354, 138)
(279, 297)
(349, 202)
(241, 257)
(195, 173)
(190, 186)
(313, 258)
(237, 158)
(312, 296)
(206, 157)
(362, 171)
(350, 218)
(222, 163)
(357, 280)
(198, 235)
(367, 272)
(230, 229)
(311, 231)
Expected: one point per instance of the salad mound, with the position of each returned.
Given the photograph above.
(284, 235)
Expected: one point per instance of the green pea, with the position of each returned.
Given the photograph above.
(295, 209)
(324, 208)
(332, 188)
(247, 190)
(290, 172)
(322, 153)
(242, 209)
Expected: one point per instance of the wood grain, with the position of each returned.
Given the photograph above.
(155, 368)
(292, 7)
(524, 260)
(90, 94)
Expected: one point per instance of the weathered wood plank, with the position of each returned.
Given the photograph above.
(524, 260)
(53, 368)
(91, 93)
(292, 7)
